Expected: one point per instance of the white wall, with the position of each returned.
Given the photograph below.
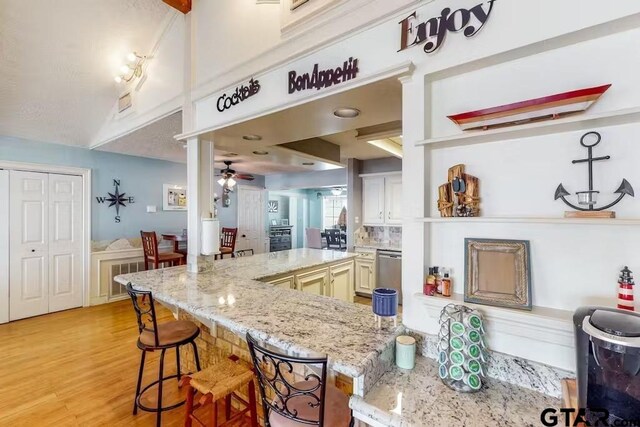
(162, 91)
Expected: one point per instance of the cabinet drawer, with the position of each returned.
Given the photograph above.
(366, 255)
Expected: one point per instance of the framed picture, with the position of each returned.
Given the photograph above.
(274, 222)
(297, 3)
(272, 206)
(285, 222)
(174, 197)
(498, 273)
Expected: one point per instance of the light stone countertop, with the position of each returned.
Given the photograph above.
(403, 398)
(380, 246)
(291, 320)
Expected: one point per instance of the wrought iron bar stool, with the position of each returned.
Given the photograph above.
(290, 403)
(161, 337)
(221, 381)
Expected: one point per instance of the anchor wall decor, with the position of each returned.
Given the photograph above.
(588, 199)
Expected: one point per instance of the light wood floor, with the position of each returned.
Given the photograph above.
(78, 368)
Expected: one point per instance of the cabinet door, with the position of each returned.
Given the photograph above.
(313, 282)
(373, 200)
(341, 283)
(393, 199)
(365, 276)
(284, 282)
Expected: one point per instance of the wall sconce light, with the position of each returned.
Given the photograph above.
(132, 69)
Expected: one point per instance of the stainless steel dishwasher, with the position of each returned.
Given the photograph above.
(390, 271)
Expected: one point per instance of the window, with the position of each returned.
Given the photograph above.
(331, 208)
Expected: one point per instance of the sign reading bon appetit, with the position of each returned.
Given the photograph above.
(434, 30)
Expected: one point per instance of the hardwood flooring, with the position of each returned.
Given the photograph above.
(79, 368)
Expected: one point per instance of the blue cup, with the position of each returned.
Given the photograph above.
(385, 302)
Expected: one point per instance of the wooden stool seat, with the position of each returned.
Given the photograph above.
(226, 250)
(169, 256)
(217, 382)
(170, 333)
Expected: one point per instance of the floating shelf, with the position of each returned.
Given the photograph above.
(567, 124)
(533, 220)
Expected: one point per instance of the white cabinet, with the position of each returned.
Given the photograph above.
(341, 281)
(314, 282)
(287, 282)
(382, 200)
(373, 200)
(393, 199)
(365, 272)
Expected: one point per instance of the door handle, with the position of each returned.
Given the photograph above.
(389, 214)
(33, 250)
(244, 235)
(380, 216)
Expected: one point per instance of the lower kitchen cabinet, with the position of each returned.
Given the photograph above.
(314, 282)
(341, 281)
(365, 274)
(335, 281)
(287, 282)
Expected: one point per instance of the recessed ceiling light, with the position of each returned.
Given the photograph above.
(346, 112)
(252, 137)
(308, 164)
(260, 153)
(230, 155)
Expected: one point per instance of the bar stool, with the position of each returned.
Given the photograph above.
(216, 382)
(227, 242)
(303, 403)
(161, 337)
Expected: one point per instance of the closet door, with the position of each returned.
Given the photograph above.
(28, 240)
(4, 246)
(65, 242)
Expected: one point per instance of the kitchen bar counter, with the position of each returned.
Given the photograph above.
(403, 398)
(291, 320)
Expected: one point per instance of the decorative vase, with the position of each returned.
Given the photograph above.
(385, 304)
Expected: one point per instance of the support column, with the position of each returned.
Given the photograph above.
(415, 194)
(200, 175)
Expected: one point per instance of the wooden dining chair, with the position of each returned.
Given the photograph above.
(151, 253)
(228, 241)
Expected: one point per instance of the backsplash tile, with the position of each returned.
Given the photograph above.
(379, 236)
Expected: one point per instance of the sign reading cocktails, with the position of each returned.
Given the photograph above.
(434, 30)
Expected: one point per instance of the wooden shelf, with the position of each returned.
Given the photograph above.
(533, 220)
(567, 124)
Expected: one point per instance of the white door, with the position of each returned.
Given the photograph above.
(65, 242)
(29, 238)
(4, 246)
(393, 199)
(251, 212)
(373, 200)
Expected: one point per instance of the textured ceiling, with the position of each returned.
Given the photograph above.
(58, 59)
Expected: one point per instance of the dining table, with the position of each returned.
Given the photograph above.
(176, 238)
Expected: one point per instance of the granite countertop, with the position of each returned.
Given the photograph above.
(294, 321)
(419, 398)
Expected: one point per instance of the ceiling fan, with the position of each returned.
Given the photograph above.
(229, 176)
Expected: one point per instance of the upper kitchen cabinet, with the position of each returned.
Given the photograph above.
(382, 199)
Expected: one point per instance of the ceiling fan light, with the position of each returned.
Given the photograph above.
(231, 182)
(131, 57)
(125, 69)
(221, 181)
(118, 79)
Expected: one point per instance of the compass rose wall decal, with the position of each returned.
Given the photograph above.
(116, 199)
(588, 199)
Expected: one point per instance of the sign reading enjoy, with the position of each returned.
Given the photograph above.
(434, 30)
(241, 94)
(319, 79)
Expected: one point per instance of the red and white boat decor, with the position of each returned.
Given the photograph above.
(545, 108)
(625, 290)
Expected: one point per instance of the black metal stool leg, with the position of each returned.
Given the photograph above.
(195, 354)
(140, 371)
(178, 361)
(160, 377)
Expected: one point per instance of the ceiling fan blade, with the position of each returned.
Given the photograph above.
(246, 177)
